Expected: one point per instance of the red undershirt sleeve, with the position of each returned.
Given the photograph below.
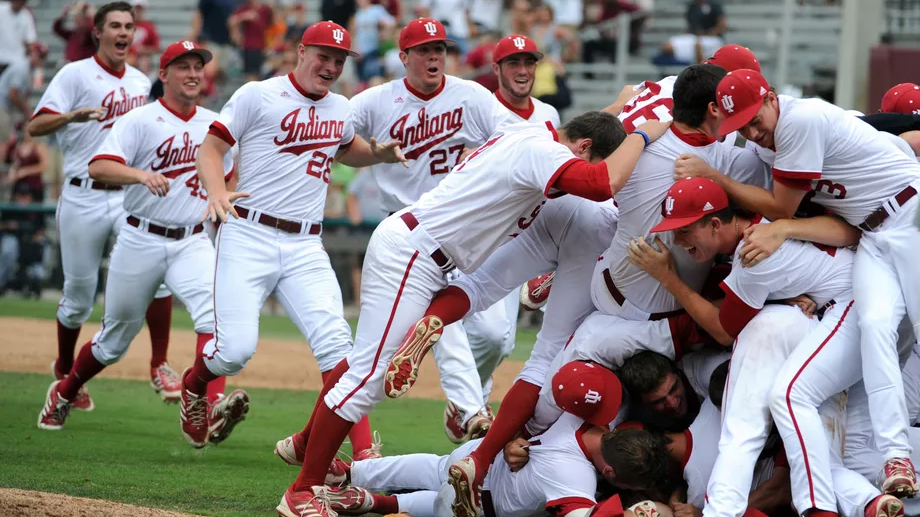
(734, 313)
(585, 180)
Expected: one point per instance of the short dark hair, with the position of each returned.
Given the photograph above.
(694, 89)
(638, 457)
(112, 7)
(717, 383)
(643, 372)
(605, 131)
(725, 215)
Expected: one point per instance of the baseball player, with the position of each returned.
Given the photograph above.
(82, 102)
(152, 151)
(863, 176)
(290, 129)
(496, 191)
(902, 98)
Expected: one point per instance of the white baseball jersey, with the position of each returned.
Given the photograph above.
(88, 83)
(432, 130)
(851, 168)
(156, 139)
(494, 194)
(559, 476)
(288, 140)
(538, 112)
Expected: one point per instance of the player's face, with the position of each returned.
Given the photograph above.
(425, 64)
(319, 67)
(116, 36)
(515, 75)
(183, 77)
(699, 241)
(760, 129)
(669, 398)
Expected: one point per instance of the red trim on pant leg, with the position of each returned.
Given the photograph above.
(798, 432)
(386, 332)
(220, 231)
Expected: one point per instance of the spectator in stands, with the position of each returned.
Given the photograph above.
(295, 17)
(706, 18)
(284, 65)
(601, 15)
(248, 25)
(367, 24)
(15, 86)
(28, 163)
(455, 16)
(521, 16)
(394, 7)
(17, 32)
(486, 15)
(557, 42)
(338, 11)
(146, 38)
(393, 67)
(362, 205)
(478, 62)
(210, 28)
(23, 246)
(75, 26)
(687, 49)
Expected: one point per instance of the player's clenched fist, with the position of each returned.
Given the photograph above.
(692, 166)
(157, 184)
(389, 152)
(761, 241)
(85, 114)
(656, 263)
(221, 203)
(516, 454)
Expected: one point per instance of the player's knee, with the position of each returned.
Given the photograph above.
(109, 353)
(204, 322)
(491, 334)
(230, 353)
(782, 395)
(330, 354)
(877, 322)
(77, 304)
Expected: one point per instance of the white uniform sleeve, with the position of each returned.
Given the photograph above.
(542, 162)
(120, 144)
(239, 114)
(483, 112)
(752, 285)
(745, 166)
(554, 118)
(800, 144)
(362, 112)
(348, 128)
(572, 490)
(62, 94)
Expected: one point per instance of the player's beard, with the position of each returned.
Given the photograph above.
(508, 86)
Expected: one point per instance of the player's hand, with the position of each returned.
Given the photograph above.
(654, 262)
(686, 510)
(805, 303)
(85, 114)
(626, 94)
(516, 454)
(692, 166)
(761, 241)
(654, 128)
(389, 152)
(157, 184)
(221, 205)
(466, 152)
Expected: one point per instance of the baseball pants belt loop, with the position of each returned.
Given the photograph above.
(620, 299)
(440, 258)
(824, 308)
(93, 185)
(284, 225)
(488, 509)
(875, 219)
(163, 231)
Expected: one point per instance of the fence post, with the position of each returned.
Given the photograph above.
(785, 42)
(623, 37)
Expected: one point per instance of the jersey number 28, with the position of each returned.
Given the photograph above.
(319, 165)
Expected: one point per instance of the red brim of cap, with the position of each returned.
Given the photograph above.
(673, 223)
(203, 53)
(738, 120)
(537, 55)
(351, 52)
(431, 40)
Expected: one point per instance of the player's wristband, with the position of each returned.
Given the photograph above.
(644, 136)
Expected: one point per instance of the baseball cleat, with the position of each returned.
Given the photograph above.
(193, 416)
(900, 479)
(536, 291)
(478, 426)
(165, 382)
(463, 477)
(307, 503)
(402, 370)
(372, 452)
(885, 506)
(291, 449)
(82, 402)
(350, 500)
(225, 414)
(55, 410)
(453, 423)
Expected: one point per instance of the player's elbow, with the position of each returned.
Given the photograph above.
(96, 169)
(35, 127)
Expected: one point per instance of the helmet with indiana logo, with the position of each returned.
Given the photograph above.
(688, 201)
(589, 391)
(328, 34)
(421, 31)
(739, 96)
(515, 44)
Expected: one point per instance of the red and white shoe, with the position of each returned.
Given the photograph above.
(291, 451)
(55, 410)
(466, 478)
(885, 506)
(82, 402)
(226, 413)
(372, 452)
(350, 500)
(166, 383)
(453, 423)
(478, 426)
(308, 503)
(402, 370)
(536, 291)
(193, 416)
(900, 479)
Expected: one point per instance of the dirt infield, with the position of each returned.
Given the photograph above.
(28, 503)
(30, 345)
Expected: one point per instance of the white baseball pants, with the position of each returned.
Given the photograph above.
(253, 261)
(140, 262)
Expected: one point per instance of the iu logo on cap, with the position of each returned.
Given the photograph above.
(519, 42)
(431, 28)
(728, 103)
(188, 45)
(338, 35)
(669, 205)
(592, 397)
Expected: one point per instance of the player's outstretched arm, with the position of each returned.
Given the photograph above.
(626, 94)
(762, 240)
(117, 173)
(361, 153)
(621, 163)
(211, 175)
(48, 123)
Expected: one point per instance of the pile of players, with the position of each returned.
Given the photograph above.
(683, 272)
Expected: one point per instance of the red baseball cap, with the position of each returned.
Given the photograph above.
(734, 57)
(902, 98)
(740, 95)
(328, 34)
(421, 31)
(688, 201)
(515, 44)
(589, 391)
(182, 48)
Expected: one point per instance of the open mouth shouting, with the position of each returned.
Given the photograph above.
(691, 250)
(122, 46)
(432, 71)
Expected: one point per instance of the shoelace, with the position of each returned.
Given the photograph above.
(894, 465)
(374, 449)
(544, 285)
(321, 496)
(197, 411)
(61, 409)
(166, 371)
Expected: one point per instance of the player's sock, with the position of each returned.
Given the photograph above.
(330, 378)
(159, 319)
(198, 378)
(67, 343)
(322, 448)
(385, 504)
(360, 436)
(85, 368)
(450, 304)
(511, 417)
(218, 386)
